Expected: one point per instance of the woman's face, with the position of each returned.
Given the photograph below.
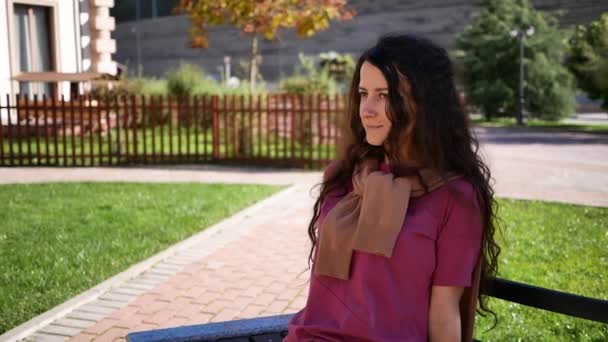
(373, 90)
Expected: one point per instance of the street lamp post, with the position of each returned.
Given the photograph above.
(520, 34)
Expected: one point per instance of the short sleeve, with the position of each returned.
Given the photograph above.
(459, 240)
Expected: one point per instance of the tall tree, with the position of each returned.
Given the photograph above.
(490, 58)
(261, 18)
(588, 58)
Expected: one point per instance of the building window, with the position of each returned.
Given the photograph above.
(131, 10)
(34, 49)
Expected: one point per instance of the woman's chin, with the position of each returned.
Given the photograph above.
(374, 142)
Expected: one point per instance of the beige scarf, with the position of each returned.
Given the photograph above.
(369, 218)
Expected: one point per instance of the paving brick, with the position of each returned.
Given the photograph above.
(101, 326)
(113, 334)
(82, 338)
(151, 280)
(216, 306)
(298, 302)
(42, 337)
(126, 313)
(199, 318)
(137, 285)
(153, 307)
(240, 302)
(161, 271)
(116, 297)
(277, 307)
(251, 311)
(264, 299)
(207, 297)
(144, 327)
(276, 288)
(128, 323)
(60, 330)
(94, 307)
(74, 323)
(225, 314)
(88, 316)
(288, 294)
(188, 310)
(129, 291)
(175, 261)
(169, 266)
(230, 294)
(110, 304)
(160, 317)
(174, 322)
(253, 291)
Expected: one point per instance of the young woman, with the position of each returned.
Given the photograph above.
(403, 230)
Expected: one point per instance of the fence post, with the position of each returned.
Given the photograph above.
(8, 112)
(28, 129)
(11, 137)
(216, 127)
(46, 129)
(134, 125)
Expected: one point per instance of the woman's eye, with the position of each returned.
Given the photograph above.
(383, 96)
(362, 94)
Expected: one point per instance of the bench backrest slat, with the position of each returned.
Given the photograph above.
(551, 300)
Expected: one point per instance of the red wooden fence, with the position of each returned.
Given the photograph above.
(275, 129)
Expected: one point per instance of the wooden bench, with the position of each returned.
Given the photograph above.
(274, 328)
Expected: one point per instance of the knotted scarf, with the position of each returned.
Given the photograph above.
(369, 218)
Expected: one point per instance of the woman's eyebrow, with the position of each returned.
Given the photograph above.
(376, 89)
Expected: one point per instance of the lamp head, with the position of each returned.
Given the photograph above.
(530, 31)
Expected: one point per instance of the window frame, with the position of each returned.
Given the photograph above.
(54, 43)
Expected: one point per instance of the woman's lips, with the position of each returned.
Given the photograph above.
(374, 127)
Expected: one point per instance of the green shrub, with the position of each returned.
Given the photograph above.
(130, 86)
(189, 79)
(307, 79)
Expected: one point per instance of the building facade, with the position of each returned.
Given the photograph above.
(54, 47)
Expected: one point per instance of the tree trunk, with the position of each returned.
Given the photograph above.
(253, 65)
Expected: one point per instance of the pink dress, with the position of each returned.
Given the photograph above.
(387, 299)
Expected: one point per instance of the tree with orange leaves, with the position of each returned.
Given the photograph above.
(261, 17)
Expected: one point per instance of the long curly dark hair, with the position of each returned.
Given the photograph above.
(425, 110)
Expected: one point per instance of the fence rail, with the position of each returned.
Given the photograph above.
(273, 129)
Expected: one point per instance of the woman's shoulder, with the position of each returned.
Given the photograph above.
(331, 169)
(457, 192)
(462, 185)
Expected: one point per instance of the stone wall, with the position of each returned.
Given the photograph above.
(163, 41)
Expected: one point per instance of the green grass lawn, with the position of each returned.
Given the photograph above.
(549, 125)
(57, 240)
(557, 246)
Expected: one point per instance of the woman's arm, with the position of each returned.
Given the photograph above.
(444, 314)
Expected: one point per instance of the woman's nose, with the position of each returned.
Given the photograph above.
(367, 109)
